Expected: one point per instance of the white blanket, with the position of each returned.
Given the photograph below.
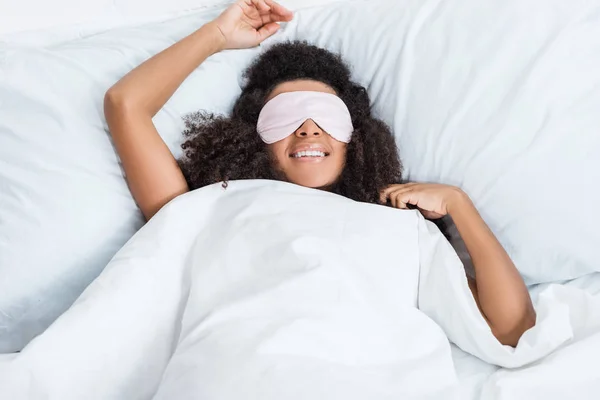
(271, 291)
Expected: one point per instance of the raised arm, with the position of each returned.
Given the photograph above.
(498, 288)
(152, 172)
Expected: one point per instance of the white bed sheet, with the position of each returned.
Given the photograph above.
(472, 372)
(475, 374)
(134, 281)
(4, 358)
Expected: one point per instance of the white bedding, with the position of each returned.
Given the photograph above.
(499, 98)
(571, 373)
(270, 291)
(505, 83)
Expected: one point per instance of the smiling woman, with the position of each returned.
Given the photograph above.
(300, 118)
(315, 154)
(298, 98)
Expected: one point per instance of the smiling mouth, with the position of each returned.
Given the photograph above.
(309, 154)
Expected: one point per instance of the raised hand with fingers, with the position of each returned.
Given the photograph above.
(247, 23)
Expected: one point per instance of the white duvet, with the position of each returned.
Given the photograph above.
(267, 290)
(500, 98)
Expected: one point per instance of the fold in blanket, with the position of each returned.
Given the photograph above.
(267, 290)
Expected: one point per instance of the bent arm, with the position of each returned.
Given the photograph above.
(498, 288)
(153, 175)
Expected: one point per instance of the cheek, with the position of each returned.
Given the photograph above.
(277, 152)
(341, 152)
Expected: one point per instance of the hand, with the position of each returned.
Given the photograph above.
(433, 200)
(246, 23)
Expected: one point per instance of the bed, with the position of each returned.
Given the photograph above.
(499, 99)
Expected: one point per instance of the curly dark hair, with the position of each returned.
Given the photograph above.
(219, 148)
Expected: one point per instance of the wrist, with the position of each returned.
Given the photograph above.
(215, 36)
(457, 200)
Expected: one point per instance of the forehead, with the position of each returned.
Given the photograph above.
(302, 85)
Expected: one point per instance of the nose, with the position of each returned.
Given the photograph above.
(309, 129)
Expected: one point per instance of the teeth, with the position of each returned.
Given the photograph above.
(310, 153)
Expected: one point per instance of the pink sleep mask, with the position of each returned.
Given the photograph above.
(285, 113)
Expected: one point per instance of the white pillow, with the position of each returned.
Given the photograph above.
(27, 15)
(487, 97)
(65, 208)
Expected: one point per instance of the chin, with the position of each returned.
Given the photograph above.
(308, 181)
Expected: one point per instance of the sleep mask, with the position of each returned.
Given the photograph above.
(285, 113)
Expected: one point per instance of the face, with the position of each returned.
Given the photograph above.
(309, 156)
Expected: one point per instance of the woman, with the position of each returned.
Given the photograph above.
(314, 129)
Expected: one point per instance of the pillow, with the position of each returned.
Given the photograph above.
(63, 16)
(65, 208)
(483, 96)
